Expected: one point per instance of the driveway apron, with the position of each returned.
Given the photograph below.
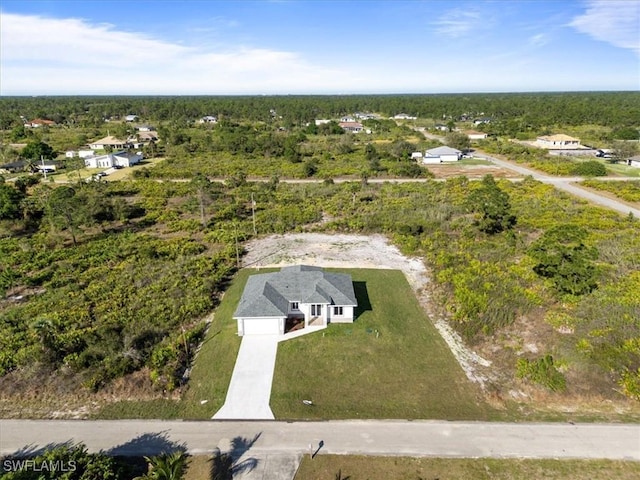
(250, 386)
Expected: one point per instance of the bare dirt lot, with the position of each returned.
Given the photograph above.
(470, 171)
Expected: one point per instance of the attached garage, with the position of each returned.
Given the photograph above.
(261, 326)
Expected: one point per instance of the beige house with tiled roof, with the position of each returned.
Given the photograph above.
(109, 141)
(559, 140)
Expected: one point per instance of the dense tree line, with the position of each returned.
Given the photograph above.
(527, 110)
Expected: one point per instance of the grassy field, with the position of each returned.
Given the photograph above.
(382, 468)
(390, 363)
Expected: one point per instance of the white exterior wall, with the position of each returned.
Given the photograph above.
(431, 160)
(261, 326)
(346, 317)
(85, 153)
(449, 158)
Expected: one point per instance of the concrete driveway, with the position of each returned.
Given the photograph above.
(250, 386)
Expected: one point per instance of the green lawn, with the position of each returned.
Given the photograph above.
(383, 468)
(348, 371)
(407, 371)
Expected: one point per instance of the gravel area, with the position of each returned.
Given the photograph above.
(360, 251)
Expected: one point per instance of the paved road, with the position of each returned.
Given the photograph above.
(369, 437)
(567, 184)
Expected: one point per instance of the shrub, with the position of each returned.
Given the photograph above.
(592, 168)
(543, 372)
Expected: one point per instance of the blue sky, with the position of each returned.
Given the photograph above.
(186, 47)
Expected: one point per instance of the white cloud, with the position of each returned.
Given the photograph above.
(44, 55)
(538, 40)
(457, 22)
(613, 21)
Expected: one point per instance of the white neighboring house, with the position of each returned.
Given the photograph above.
(417, 156)
(475, 135)
(634, 161)
(131, 118)
(110, 160)
(208, 119)
(109, 141)
(353, 127)
(558, 141)
(294, 298)
(322, 121)
(441, 154)
(404, 116)
(70, 154)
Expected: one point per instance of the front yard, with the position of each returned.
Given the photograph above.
(390, 363)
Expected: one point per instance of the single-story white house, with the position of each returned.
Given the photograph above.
(131, 118)
(295, 297)
(208, 119)
(441, 127)
(110, 160)
(404, 116)
(108, 141)
(416, 156)
(474, 135)
(353, 127)
(558, 141)
(441, 154)
(322, 121)
(634, 161)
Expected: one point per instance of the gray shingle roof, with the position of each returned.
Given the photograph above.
(269, 294)
(444, 150)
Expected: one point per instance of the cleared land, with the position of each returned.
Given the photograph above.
(382, 468)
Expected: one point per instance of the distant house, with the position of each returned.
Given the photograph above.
(208, 119)
(558, 141)
(294, 298)
(353, 127)
(441, 127)
(417, 156)
(404, 116)
(110, 142)
(634, 161)
(481, 120)
(131, 118)
(110, 160)
(441, 154)
(474, 135)
(146, 128)
(347, 119)
(70, 154)
(322, 121)
(39, 122)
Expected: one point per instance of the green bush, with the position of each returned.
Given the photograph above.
(591, 168)
(543, 372)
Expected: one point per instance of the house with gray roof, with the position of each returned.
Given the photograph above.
(294, 298)
(441, 154)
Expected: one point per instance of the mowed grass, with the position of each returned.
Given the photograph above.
(390, 363)
(384, 468)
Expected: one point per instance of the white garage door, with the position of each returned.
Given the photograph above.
(261, 326)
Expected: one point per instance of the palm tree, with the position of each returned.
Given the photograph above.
(166, 466)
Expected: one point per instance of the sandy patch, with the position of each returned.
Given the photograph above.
(360, 251)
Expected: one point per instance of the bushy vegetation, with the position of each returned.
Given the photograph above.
(100, 280)
(629, 191)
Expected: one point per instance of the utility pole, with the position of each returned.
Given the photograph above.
(253, 214)
(235, 231)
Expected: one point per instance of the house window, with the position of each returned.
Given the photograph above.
(337, 311)
(316, 310)
(295, 306)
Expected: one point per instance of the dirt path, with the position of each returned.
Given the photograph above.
(360, 251)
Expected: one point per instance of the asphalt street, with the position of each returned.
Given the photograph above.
(367, 437)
